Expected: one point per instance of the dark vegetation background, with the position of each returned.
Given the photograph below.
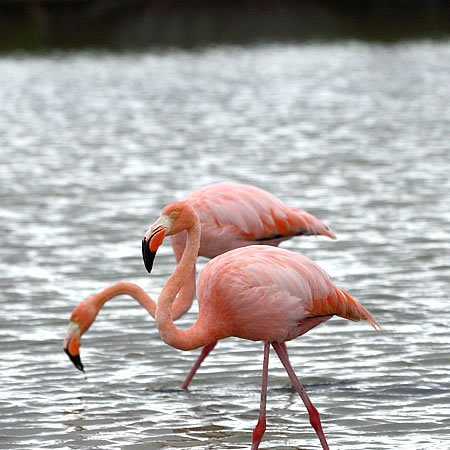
(125, 24)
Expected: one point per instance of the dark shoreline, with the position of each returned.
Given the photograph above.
(122, 24)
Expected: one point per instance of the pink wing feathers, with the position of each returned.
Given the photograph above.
(256, 213)
(237, 215)
(274, 294)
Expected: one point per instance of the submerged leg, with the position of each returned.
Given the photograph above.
(314, 418)
(258, 432)
(205, 350)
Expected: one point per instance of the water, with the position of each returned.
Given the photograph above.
(93, 145)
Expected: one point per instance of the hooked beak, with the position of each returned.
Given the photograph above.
(75, 359)
(72, 345)
(151, 242)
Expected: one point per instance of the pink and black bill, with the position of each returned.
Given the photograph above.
(147, 254)
(75, 360)
(150, 245)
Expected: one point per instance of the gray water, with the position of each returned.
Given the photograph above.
(93, 145)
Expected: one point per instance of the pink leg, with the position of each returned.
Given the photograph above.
(314, 418)
(258, 432)
(205, 350)
(284, 348)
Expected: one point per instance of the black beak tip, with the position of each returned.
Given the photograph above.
(75, 360)
(148, 256)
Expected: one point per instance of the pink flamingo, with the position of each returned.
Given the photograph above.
(231, 216)
(260, 293)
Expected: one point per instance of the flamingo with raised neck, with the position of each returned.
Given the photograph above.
(260, 293)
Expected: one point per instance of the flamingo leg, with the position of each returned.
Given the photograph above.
(284, 348)
(260, 428)
(314, 418)
(205, 351)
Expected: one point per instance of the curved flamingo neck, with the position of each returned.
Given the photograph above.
(86, 312)
(186, 296)
(124, 288)
(185, 265)
(195, 336)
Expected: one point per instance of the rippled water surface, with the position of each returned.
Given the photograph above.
(94, 145)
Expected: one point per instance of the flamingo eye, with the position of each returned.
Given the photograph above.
(173, 215)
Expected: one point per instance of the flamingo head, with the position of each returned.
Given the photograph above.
(72, 344)
(82, 318)
(174, 219)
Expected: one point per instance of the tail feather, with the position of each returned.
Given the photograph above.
(307, 224)
(342, 304)
(353, 310)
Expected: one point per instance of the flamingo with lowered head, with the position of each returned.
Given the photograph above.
(260, 293)
(231, 215)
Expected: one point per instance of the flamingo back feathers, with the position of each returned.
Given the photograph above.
(255, 214)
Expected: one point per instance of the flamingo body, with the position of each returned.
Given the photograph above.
(236, 215)
(264, 293)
